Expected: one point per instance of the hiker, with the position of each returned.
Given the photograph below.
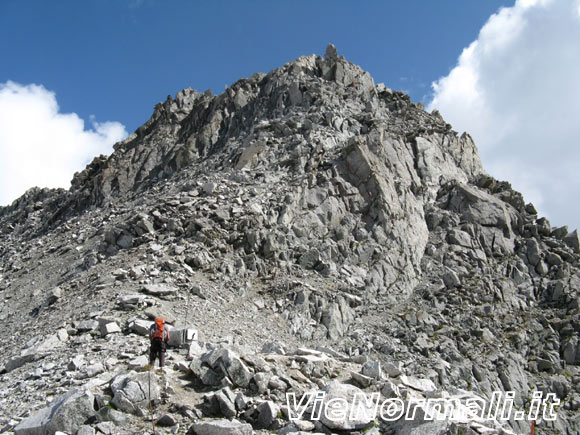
(159, 336)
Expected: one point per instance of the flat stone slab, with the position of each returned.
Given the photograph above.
(159, 289)
(222, 427)
(424, 385)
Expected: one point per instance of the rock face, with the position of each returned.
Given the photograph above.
(307, 212)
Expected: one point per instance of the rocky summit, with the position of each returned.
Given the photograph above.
(306, 233)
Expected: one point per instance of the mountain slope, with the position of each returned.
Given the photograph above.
(305, 206)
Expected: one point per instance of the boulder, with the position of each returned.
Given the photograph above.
(392, 370)
(310, 259)
(226, 399)
(336, 396)
(107, 326)
(220, 427)
(273, 347)
(533, 252)
(362, 380)
(132, 391)
(267, 413)
(423, 385)
(85, 430)
(166, 420)
(131, 301)
(87, 325)
(139, 362)
(573, 241)
(159, 289)
(140, 326)
(337, 318)
(66, 413)
(159, 311)
(560, 232)
(18, 361)
(230, 364)
(206, 374)
(194, 350)
(479, 207)
(94, 370)
(570, 349)
(372, 369)
(54, 295)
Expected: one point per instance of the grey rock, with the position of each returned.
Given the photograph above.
(451, 279)
(560, 232)
(106, 427)
(231, 365)
(423, 385)
(571, 350)
(221, 427)
(390, 390)
(133, 391)
(55, 294)
(94, 369)
(261, 380)
(159, 289)
(65, 413)
(107, 413)
(372, 369)
(533, 251)
(208, 188)
(362, 380)
(335, 390)
(140, 326)
(166, 420)
(85, 430)
(138, 363)
(87, 325)
(337, 318)
(458, 237)
(267, 413)
(310, 259)
(194, 350)
(18, 361)
(573, 241)
(76, 363)
(276, 383)
(274, 347)
(392, 370)
(226, 403)
(109, 327)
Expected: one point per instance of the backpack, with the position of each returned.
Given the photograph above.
(159, 329)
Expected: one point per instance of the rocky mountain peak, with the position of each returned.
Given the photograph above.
(312, 102)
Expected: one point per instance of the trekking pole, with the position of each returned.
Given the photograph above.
(186, 312)
(151, 404)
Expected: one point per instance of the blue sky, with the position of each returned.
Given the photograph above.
(76, 76)
(116, 59)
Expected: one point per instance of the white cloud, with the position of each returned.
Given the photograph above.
(39, 146)
(516, 90)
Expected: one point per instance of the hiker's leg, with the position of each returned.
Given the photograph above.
(161, 359)
(151, 356)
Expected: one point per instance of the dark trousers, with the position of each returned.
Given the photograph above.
(158, 348)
